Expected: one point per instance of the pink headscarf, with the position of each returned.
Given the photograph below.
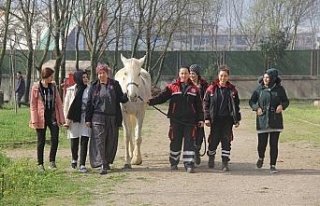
(102, 67)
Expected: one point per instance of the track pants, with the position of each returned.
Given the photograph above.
(179, 132)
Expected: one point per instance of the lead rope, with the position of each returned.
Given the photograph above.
(184, 123)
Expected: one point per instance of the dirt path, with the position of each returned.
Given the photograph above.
(152, 183)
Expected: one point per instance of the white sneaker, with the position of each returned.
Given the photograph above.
(83, 169)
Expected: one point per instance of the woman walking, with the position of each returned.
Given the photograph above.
(74, 111)
(268, 101)
(103, 114)
(221, 112)
(46, 111)
(185, 114)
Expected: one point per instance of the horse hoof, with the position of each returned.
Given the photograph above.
(137, 162)
(127, 166)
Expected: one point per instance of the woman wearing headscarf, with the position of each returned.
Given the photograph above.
(46, 111)
(202, 84)
(74, 111)
(269, 100)
(103, 114)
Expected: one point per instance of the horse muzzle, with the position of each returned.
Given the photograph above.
(133, 98)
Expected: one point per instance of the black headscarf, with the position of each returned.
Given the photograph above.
(74, 113)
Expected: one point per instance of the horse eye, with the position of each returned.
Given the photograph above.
(126, 73)
(139, 74)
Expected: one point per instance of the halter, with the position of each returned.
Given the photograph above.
(135, 84)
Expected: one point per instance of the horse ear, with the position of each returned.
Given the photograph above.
(141, 61)
(123, 59)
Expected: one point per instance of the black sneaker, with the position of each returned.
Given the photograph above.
(103, 170)
(225, 167)
(273, 169)
(108, 167)
(211, 162)
(74, 164)
(190, 170)
(197, 158)
(259, 163)
(174, 167)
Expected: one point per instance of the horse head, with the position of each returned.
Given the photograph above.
(132, 76)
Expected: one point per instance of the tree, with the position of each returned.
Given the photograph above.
(4, 34)
(96, 18)
(250, 20)
(273, 47)
(299, 11)
(62, 12)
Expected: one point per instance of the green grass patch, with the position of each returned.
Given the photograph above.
(302, 123)
(24, 185)
(15, 131)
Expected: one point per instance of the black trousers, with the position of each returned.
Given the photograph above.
(177, 133)
(273, 141)
(41, 134)
(83, 149)
(221, 131)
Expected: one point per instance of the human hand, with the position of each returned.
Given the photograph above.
(237, 125)
(66, 126)
(259, 111)
(88, 124)
(207, 123)
(279, 109)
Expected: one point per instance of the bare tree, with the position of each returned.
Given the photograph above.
(95, 19)
(4, 33)
(62, 12)
(299, 10)
(250, 20)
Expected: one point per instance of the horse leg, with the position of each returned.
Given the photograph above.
(127, 140)
(137, 159)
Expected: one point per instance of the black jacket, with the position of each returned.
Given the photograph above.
(211, 107)
(93, 100)
(183, 106)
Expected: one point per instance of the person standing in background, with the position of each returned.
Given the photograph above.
(202, 84)
(74, 111)
(268, 101)
(20, 88)
(46, 111)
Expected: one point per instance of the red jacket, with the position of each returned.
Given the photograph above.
(184, 106)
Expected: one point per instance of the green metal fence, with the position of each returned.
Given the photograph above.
(302, 62)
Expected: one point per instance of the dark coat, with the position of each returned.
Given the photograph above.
(183, 106)
(93, 100)
(20, 87)
(268, 99)
(210, 105)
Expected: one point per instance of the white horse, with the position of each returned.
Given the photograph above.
(136, 82)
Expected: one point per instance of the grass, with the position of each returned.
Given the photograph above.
(301, 121)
